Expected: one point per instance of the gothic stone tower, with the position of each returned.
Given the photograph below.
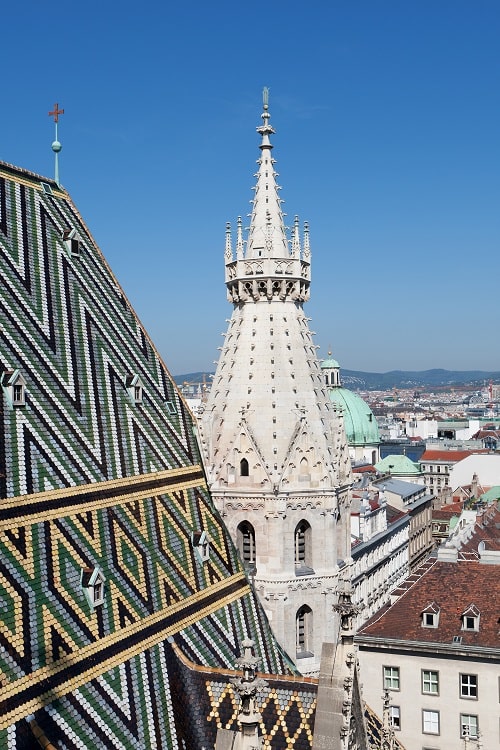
(274, 445)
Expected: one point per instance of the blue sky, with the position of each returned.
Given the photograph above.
(387, 115)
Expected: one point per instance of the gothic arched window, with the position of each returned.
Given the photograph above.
(303, 631)
(303, 548)
(244, 469)
(245, 540)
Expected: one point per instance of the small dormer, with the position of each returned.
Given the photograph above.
(430, 616)
(470, 618)
(133, 384)
(171, 408)
(92, 581)
(72, 243)
(201, 545)
(14, 386)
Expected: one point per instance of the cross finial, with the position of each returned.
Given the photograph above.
(56, 146)
(56, 112)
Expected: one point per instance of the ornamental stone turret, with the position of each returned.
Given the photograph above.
(273, 444)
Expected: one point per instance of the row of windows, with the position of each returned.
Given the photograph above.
(245, 541)
(470, 618)
(445, 468)
(438, 481)
(245, 466)
(468, 683)
(15, 387)
(431, 722)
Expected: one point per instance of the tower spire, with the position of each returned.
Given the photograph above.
(56, 145)
(273, 446)
(268, 265)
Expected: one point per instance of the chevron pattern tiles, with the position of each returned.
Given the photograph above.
(115, 568)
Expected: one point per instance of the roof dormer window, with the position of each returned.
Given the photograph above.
(92, 581)
(135, 389)
(470, 618)
(72, 243)
(170, 406)
(430, 616)
(201, 544)
(14, 386)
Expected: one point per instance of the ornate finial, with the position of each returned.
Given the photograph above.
(387, 738)
(265, 97)
(307, 248)
(229, 246)
(266, 129)
(240, 248)
(247, 685)
(296, 238)
(56, 146)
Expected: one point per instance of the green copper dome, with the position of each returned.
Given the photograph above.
(329, 363)
(361, 427)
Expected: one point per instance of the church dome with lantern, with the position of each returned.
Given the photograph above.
(360, 425)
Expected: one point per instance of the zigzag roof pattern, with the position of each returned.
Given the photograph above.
(101, 483)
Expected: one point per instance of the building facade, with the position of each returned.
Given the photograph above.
(273, 444)
(417, 501)
(436, 650)
(380, 552)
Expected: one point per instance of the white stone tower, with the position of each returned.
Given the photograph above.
(273, 444)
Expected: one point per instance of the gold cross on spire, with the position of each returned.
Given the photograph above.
(55, 114)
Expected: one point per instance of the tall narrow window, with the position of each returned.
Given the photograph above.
(395, 717)
(303, 625)
(246, 544)
(244, 469)
(18, 394)
(303, 556)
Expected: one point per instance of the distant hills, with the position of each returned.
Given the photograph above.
(383, 381)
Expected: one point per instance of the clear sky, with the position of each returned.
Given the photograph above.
(387, 115)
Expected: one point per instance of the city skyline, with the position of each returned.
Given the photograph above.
(387, 121)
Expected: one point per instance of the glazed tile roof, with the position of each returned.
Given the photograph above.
(453, 587)
(99, 474)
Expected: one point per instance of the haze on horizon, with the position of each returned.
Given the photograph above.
(387, 117)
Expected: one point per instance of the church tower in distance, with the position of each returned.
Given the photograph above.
(274, 445)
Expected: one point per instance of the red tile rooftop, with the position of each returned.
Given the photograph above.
(449, 509)
(446, 512)
(453, 587)
(486, 531)
(444, 455)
